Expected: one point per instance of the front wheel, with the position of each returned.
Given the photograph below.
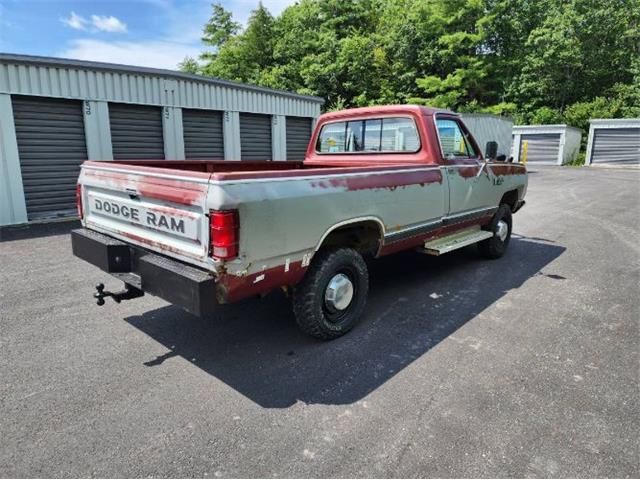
(500, 225)
(330, 299)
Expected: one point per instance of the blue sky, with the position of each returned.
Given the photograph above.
(153, 33)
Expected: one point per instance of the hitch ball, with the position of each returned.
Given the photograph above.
(99, 295)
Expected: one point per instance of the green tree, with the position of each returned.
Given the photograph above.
(582, 49)
(244, 57)
(538, 61)
(189, 65)
(218, 30)
(459, 61)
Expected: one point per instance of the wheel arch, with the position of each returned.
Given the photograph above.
(511, 198)
(365, 229)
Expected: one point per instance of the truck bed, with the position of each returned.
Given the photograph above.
(163, 205)
(222, 170)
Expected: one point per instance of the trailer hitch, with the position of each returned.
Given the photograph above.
(130, 292)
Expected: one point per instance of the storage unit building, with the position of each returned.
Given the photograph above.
(56, 113)
(614, 142)
(546, 144)
(486, 128)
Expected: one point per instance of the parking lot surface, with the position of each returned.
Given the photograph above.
(523, 366)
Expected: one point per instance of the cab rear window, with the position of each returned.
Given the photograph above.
(372, 135)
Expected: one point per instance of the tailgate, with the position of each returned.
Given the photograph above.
(159, 209)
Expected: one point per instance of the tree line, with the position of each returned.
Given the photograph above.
(538, 61)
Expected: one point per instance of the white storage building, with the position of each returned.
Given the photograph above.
(55, 113)
(614, 142)
(546, 144)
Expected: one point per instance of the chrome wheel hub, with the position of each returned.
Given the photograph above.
(502, 230)
(339, 293)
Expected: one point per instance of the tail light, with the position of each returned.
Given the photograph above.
(79, 200)
(223, 234)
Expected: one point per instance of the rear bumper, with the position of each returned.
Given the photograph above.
(191, 288)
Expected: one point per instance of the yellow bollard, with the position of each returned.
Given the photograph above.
(523, 152)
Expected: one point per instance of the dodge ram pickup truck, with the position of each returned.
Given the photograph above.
(374, 181)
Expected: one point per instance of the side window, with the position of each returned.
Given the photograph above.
(332, 138)
(369, 136)
(453, 141)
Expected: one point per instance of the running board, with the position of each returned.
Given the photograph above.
(457, 240)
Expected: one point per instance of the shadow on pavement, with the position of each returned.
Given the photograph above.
(415, 302)
(36, 230)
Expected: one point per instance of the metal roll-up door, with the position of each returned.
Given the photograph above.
(203, 137)
(616, 145)
(255, 137)
(298, 135)
(543, 147)
(136, 132)
(51, 146)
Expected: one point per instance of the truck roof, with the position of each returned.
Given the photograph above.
(382, 109)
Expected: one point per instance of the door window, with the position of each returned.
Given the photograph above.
(453, 141)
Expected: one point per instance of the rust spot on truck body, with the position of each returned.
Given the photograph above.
(508, 169)
(157, 245)
(175, 191)
(390, 181)
(232, 288)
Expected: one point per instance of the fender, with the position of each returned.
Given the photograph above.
(350, 222)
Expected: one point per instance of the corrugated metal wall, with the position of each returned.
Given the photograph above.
(136, 132)
(51, 146)
(490, 128)
(149, 89)
(203, 134)
(255, 137)
(616, 146)
(298, 135)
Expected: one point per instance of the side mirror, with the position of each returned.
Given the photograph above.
(491, 150)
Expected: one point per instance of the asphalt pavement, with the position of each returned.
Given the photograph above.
(526, 366)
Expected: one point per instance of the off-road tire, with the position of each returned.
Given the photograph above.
(493, 247)
(309, 295)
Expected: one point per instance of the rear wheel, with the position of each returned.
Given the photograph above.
(500, 225)
(330, 299)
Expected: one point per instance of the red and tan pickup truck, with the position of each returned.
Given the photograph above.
(374, 181)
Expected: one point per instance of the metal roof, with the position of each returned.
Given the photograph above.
(383, 109)
(615, 121)
(559, 127)
(485, 115)
(114, 67)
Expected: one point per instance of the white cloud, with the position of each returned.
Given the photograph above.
(75, 21)
(108, 24)
(152, 53)
(241, 9)
(179, 38)
(100, 23)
